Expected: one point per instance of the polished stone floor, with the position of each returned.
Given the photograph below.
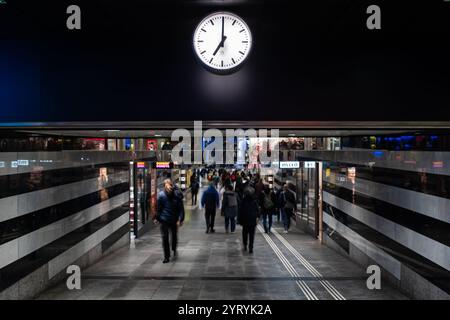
(214, 266)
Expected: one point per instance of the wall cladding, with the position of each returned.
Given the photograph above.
(391, 208)
(57, 209)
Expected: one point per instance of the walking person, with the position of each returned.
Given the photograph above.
(288, 203)
(267, 202)
(170, 215)
(239, 186)
(259, 186)
(210, 201)
(195, 187)
(278, 203)
(248, 216)
(230, 207)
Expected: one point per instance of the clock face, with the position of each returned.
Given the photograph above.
(222, 42)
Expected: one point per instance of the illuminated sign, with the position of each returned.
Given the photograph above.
(152, 145)
(289, 164)
(163, 165)
(438, 164)
(141, 164)
(310, 164)
(23, 162)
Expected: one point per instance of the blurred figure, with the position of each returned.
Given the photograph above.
(210, 201)
(230, 207)
(167, 146)
(278, 204)
(248, 216)
(259, 185)
(288, 202)
(170, 215)
(267, 202)
(195, 187)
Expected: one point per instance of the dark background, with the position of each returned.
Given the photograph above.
(311, 60)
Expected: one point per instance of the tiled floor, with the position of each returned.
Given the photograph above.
(213, 266)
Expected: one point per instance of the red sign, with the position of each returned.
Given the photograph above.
(152, 145)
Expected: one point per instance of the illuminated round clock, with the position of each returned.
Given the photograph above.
(222, 42)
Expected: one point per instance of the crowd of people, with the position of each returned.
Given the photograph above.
(242, 198)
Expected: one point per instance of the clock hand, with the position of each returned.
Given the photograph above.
(223, 37)
(223, 27)
(217, 49)
(220, 45)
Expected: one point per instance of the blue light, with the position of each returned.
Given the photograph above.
(407, 137)
(378, 154)
(127, 143)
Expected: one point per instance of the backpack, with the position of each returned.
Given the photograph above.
(288, 204)
(267, 202)
(232, 200)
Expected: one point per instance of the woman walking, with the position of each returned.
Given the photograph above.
(288, 202)
(267, 202)
(230, 207)
(248, 218)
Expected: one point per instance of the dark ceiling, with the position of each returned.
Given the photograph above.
(312, 61)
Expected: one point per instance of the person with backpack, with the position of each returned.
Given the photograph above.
(267, 202)
(288, 203)
(195, 187)
(210, 201)
(248, 216)
(170, 215)
(230, 207)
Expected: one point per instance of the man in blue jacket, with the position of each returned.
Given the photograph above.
(170, 215)
(210, 201)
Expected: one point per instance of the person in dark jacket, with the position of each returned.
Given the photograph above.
(195, 186)
(230, 206)
(288, 202)
(180, 196)
(278, 205)
(248, 218)
(267, 201)
(259, 186)
(210, 201)
(170, 215)
(239, 186)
